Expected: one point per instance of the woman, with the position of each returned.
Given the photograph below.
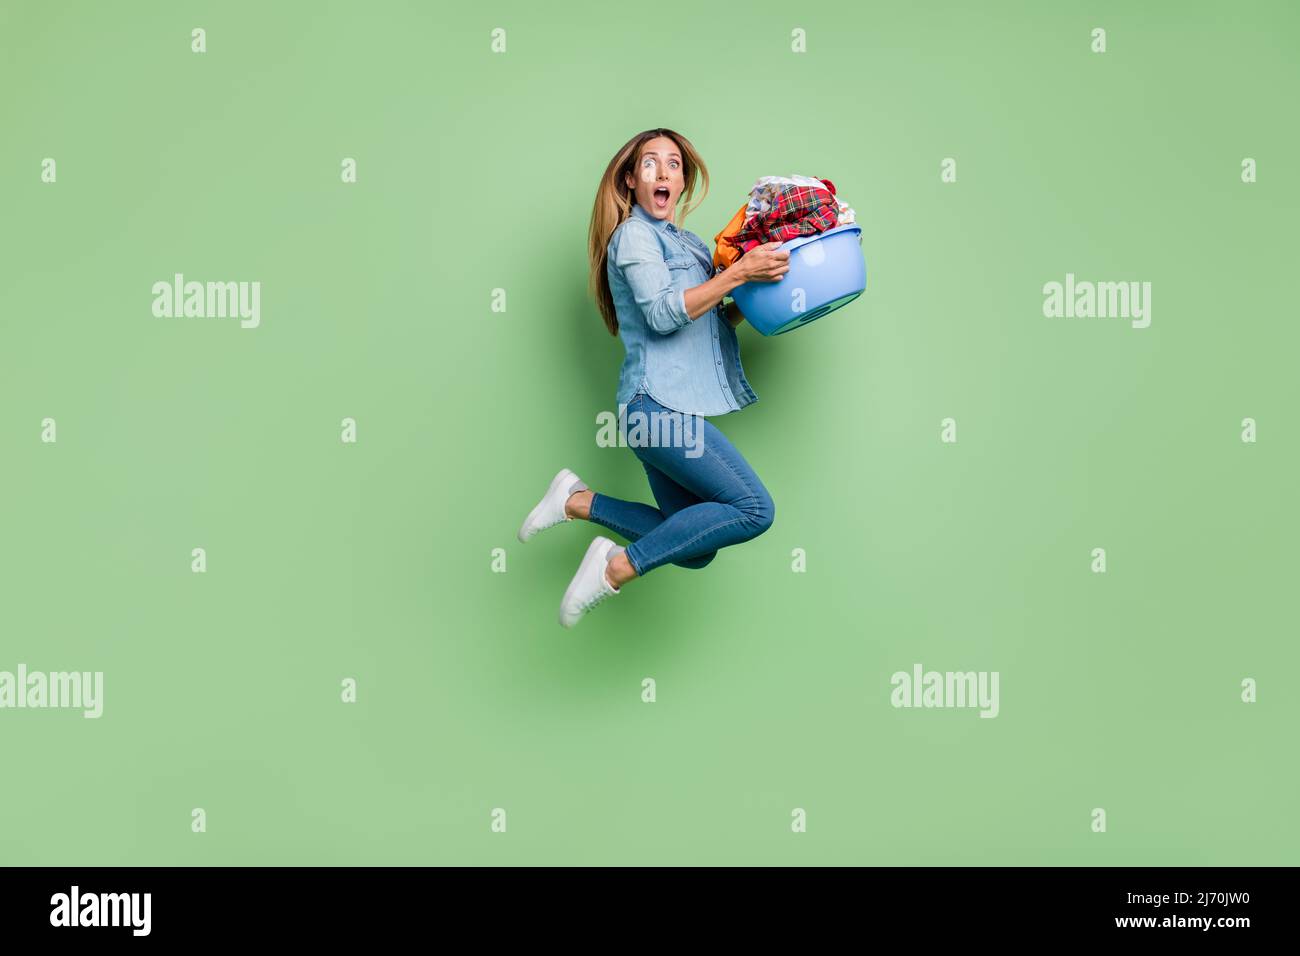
(654, 286)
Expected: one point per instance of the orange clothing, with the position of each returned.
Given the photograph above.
(725, 253)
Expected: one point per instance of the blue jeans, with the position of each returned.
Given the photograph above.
(708, 496)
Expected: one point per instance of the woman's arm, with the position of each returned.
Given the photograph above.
(762, 263)
(637, 255)
(701, 298)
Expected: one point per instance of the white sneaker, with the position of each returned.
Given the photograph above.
(589, 586)
(550, 510)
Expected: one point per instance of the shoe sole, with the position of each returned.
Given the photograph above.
(555, 483)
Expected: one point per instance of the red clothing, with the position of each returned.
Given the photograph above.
(796, 211)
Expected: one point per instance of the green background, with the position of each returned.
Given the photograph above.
(373, 561)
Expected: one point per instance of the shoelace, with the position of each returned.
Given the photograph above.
(592, 602)
(604, 592)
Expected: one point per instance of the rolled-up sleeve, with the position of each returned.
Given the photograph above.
(637, 255)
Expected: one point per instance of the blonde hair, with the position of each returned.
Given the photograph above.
(614, 203)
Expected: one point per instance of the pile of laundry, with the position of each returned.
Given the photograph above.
(780, 208)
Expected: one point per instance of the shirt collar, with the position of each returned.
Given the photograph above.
(640, 212)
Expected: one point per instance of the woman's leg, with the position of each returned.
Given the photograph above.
(634, 520)
(673, 498)
(733, 507)
(631, 519)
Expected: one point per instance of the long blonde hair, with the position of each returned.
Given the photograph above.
(614, 203)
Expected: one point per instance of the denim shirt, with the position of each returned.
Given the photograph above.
(688, 366)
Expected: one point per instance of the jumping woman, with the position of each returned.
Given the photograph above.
(654, 284)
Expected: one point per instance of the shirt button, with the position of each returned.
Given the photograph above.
(719, 363)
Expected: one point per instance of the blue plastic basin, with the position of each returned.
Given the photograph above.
(827, 272)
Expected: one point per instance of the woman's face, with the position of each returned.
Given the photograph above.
(657, 177)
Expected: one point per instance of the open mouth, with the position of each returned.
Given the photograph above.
(662, 196)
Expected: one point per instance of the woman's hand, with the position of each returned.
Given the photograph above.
(760, 264)
(763, 263)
